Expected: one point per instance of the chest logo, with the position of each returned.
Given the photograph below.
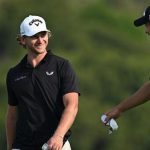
(20, 78)
(49, 73)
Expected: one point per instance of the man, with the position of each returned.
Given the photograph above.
(143, 94)
(42, 93)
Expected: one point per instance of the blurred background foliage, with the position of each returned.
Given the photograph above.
(110, 56)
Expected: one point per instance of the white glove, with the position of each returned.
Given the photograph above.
(111, 123)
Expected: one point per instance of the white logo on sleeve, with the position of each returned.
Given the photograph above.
(49, 73)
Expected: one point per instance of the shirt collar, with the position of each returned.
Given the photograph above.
(25, 63)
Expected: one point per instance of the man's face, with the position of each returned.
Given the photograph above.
(147, 28)
(37, 43)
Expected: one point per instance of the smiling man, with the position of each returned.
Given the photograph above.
(42, 93)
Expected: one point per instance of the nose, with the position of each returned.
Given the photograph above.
(39, 39)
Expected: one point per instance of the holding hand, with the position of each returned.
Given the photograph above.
(55, 142)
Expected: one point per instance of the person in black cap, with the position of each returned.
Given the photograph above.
(144, 20)
(142, 95)
(42, 93)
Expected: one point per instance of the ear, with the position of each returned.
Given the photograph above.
(22, 40)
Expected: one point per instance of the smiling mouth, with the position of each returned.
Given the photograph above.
(39, 45)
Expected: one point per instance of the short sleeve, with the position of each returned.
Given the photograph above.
(12, 100)
(69, 81)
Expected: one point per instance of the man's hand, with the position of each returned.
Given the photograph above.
(55, 142)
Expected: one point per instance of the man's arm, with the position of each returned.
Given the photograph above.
(11, 119)
(71, 108)
(139, 97)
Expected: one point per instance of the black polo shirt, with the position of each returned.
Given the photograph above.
(38, 92)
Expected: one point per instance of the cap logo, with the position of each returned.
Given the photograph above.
(36, 22)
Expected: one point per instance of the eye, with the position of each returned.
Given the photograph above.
(43, 34)
(35, 37)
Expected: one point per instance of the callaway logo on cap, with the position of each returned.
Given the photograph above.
(32, 25)
(144, 19)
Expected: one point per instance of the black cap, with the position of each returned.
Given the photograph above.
(144, 19)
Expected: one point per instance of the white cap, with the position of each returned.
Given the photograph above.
(32, 25)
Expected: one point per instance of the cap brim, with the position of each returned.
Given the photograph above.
(140, 21)
(33, 33)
